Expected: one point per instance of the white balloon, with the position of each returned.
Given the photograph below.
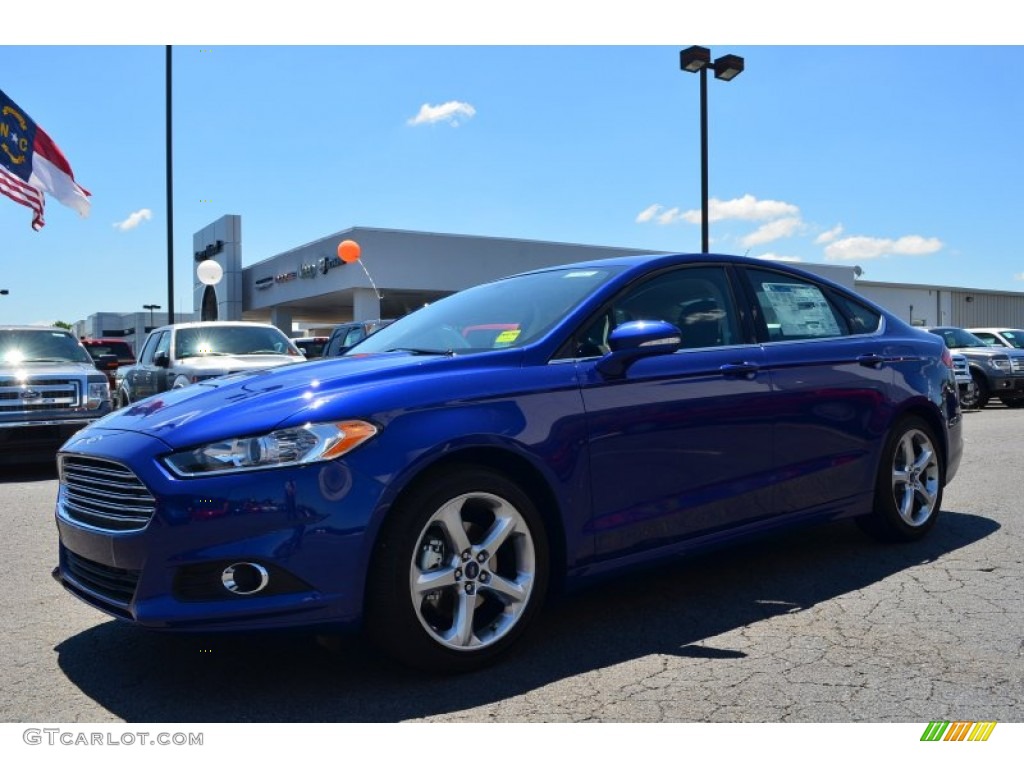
(209, 272)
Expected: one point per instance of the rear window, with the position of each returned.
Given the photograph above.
(118, 348)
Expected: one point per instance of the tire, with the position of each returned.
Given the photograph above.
(1011, 402)
(983, 391)
(121, 399)
(908, 488)
(440, 596)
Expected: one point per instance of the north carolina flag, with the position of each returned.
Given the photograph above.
(31, 164)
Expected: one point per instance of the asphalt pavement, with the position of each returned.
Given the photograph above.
(821, 625)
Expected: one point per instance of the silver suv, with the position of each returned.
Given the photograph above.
(178, 355)
(49, 389)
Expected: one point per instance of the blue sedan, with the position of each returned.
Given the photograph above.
(431, 486)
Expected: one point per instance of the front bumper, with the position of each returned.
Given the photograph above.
(304, 527)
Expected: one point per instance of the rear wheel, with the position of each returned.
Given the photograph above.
(459, 572)
(908, 489)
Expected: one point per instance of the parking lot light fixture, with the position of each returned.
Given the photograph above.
(151, 307)
(697, 59)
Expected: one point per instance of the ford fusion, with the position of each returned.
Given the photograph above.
(433, 484)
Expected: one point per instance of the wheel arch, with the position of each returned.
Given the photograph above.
(517, 469)
(934, 420)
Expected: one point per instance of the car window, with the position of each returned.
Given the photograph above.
(989, 338)
(231, 340)
(793, 308)
(697, 300)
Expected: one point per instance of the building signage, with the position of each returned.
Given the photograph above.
(210, 251)
(263, 283)
(328, 262)
(286, 277)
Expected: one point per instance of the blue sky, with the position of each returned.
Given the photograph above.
(903, 159)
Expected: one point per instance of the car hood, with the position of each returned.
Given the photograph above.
(255, 402)
(48, 368)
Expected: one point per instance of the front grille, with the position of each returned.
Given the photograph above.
(103, 494)
(960, 367)
(114, 584)
(1017, 364)
(38, 394)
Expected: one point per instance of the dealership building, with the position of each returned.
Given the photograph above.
(309, 289)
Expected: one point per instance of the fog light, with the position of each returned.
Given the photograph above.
(244, 578)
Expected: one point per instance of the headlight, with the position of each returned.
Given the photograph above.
(281, 448)
(98, 392)
(1000, 364)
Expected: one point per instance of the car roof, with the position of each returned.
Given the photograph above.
(211, 323)
(50, 328)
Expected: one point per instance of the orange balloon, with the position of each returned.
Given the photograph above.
(348, 250)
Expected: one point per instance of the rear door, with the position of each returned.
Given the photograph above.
(831, 370)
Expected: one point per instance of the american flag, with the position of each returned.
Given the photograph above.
(31, 164)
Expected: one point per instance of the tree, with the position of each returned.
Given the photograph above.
(62, 324)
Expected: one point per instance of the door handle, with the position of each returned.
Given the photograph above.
(739, 370)
(871, 360)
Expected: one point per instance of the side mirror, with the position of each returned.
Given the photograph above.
(107, 362)
(162, 360)
(636, 340)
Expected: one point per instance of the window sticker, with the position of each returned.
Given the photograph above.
(800, 310)
(507, 337)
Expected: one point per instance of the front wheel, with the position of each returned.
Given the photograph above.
(1011, 402)
(981, 384)
(908, 489)
(459, 572)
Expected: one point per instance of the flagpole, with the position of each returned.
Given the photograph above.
(170, 202)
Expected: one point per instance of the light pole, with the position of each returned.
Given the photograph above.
(698, 59)
(151, 307)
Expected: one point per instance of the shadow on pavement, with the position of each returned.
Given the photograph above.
(21, 473)
(142, 676)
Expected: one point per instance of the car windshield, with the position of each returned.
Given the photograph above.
(231, 340)
(42, 346)
(1014, 338)
(957, 338)
(507, 313)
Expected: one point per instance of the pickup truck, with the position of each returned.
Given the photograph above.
(997, 371)
(49, 389)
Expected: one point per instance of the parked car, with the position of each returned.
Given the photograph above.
(347, 335)
(997, 372)
(433, 488)
(311, 346)
(176, 356)
(102, 350)
(49, 389)
(1000, 337)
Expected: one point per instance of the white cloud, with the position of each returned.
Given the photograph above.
(862, 248)
(746, 208)
(773, 230)
(450, 112)
(134, 219)
(648, 213)
(828, 237)
(779, 257)
(1019, 276)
